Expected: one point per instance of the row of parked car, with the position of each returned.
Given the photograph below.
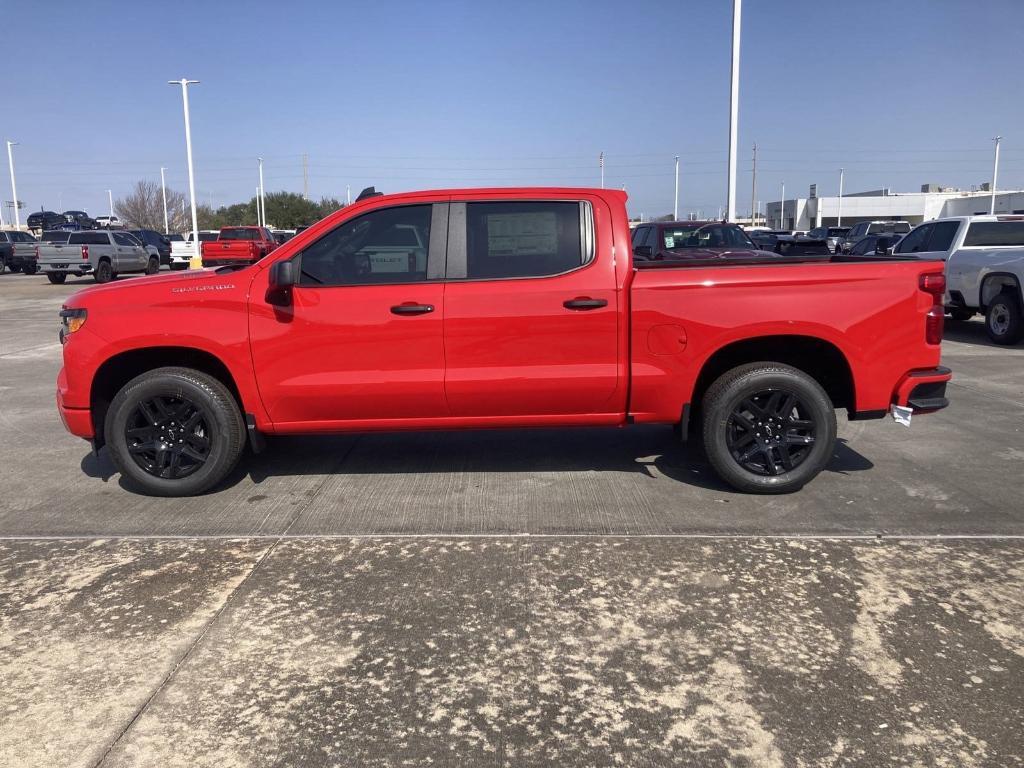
(41, 221)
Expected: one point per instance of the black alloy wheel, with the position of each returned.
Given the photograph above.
(771, 432)
(168, 437)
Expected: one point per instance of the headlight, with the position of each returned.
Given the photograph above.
(71, 320)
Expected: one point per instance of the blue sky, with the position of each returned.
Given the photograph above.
(412, 95)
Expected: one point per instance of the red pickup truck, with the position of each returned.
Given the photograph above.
(238, 245)
(496, 308)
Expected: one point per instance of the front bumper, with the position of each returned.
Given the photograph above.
(77, 421)
(923, 391)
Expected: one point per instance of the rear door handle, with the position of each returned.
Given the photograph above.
(412, 309)
(583, 303)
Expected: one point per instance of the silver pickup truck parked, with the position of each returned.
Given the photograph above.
(100, 253)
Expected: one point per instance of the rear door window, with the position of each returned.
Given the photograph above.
(995, 233)
(89, 238)
(526, 239)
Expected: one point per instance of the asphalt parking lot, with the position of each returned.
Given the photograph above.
(570, 597)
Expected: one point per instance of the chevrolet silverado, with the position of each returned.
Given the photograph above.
(497, 308)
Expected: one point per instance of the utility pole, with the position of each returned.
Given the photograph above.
(305, 175)
(995, 176)
(196, 261)
(14, 187)
(675, 207)
(839, 213)
(600, 162)
(734, 105)
(753, 189)
(163, 189)
(263, 200)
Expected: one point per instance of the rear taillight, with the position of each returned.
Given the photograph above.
(37, 253)
(935, 320)
(85, 252)
(252, 250)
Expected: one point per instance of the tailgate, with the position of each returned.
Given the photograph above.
(59, 254)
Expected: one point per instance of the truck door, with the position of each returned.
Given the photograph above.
(531, 311)
(361, 341)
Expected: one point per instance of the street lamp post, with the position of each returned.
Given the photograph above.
(782, 208)
(839, 213)
(196, 261)
(263, 200)
(110, 199)
(163, 189)
(14, 186)
(995, 176)
(675, 207)
(734, 108)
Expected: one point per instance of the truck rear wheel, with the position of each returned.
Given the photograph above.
(57, 278)
(29, 269)
(1003, 319)
(104, 272)
(174, 432)
(768, 428)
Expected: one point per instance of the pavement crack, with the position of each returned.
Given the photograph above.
(185, 656)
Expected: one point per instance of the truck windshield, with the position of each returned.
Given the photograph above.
(239, 234)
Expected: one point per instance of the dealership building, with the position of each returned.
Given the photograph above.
(931, 202)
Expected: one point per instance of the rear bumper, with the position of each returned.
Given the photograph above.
(67, 267)
(923, 391)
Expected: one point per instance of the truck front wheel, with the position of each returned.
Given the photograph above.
(174, 432)
(768, 428)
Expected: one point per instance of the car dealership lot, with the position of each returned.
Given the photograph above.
(570, 597)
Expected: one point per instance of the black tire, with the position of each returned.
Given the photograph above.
(57, 278)
(3, 264)
(1004, 321)
(104, 272)
(961, 314)
(154, 265)
(192, 416)
(768, 428)
(29, 269)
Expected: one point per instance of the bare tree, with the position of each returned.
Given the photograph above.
(143, 208)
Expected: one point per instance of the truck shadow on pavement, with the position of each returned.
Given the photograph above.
(972, 332)
(653, 451)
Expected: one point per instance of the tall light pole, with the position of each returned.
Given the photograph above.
(263, 200)
(782, 208)
(196, 261)
(259, 215)
(675, 207)
(348, 194)
(839, 213)
(753, 189)
(14, 187)
(163, 189)
(995, 176)
(734, 105)
(110, 199)
(600, 162)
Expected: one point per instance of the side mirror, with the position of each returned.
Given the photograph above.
(282, 275)
(643, 251)
(282, 280)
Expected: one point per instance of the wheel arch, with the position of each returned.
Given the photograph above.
(993, 284)
(818, 358)
(121, 368)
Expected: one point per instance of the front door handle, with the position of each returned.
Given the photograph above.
(412, 309)
(583, 303)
